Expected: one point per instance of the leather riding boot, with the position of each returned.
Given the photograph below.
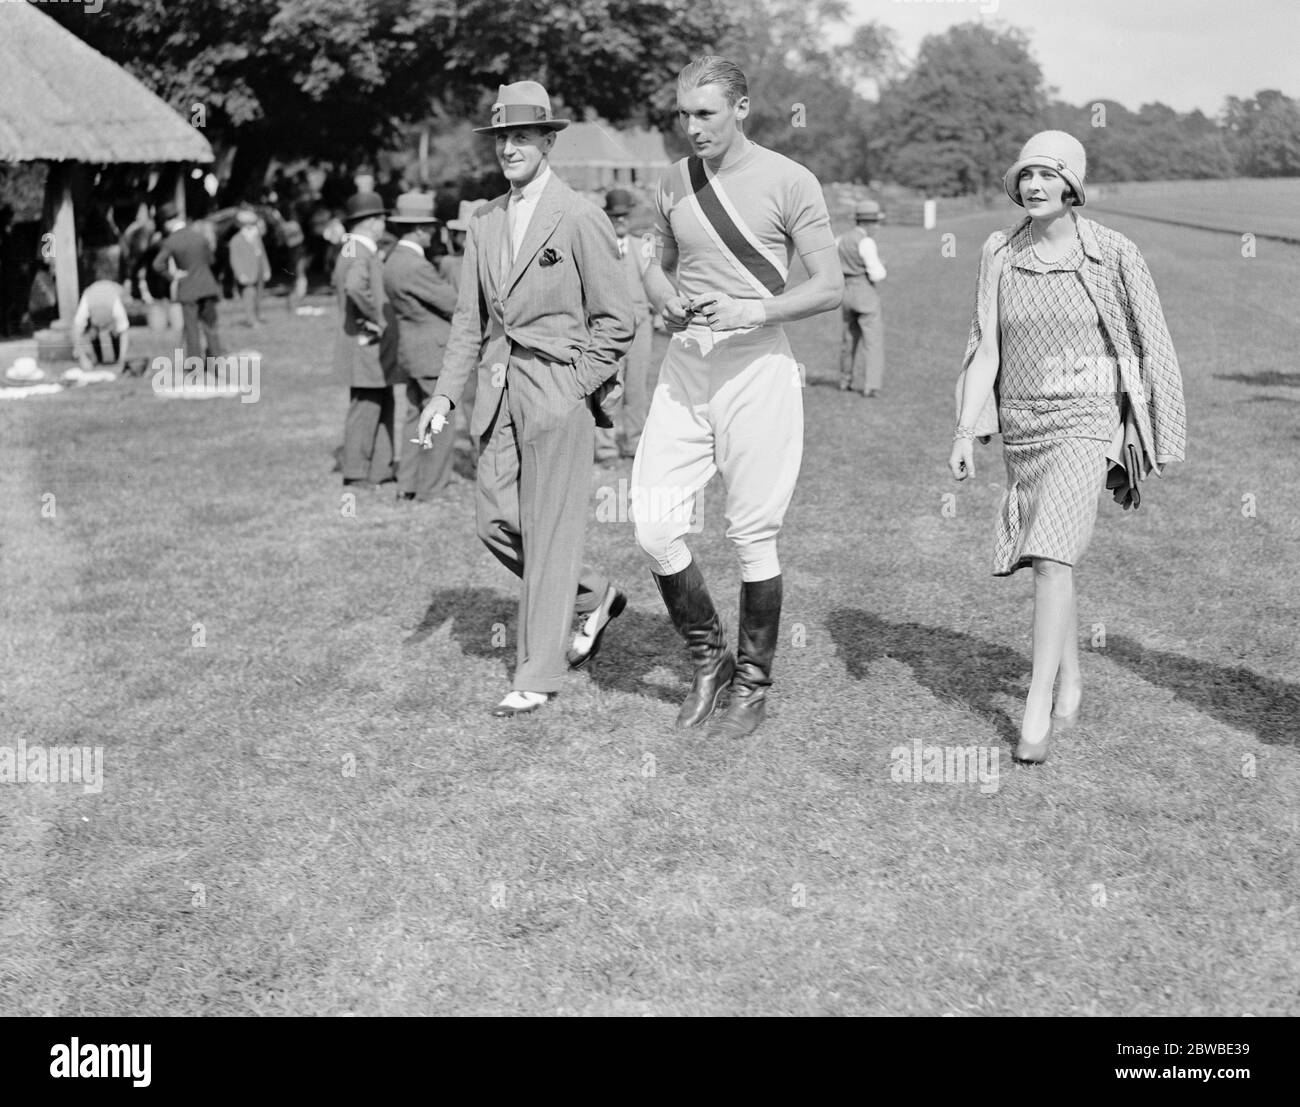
(691, 609)
(760, 618)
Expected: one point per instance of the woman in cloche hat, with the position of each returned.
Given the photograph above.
(1070, 359)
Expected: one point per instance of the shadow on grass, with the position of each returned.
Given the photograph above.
(637, 641)
(953, 665)
(476, 615)
(1268, 378)
(482, 618)
(1237, 697)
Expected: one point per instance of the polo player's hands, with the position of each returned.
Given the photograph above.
(432, 421)
(726, 313)
(676, 313)
(962, 459)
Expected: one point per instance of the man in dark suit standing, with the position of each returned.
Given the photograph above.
(544, 314)
(186, 256)
(423, 303)
(638, 370)
(365, 347)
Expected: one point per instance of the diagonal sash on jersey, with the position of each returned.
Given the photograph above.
(762, 270)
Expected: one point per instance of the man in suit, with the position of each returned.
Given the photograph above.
(186, 256)
(423, 302)
(862, 346)
(637, 369)
(365, 347)
(543, 312)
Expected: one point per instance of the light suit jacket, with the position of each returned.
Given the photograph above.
(565, 299)
(1121, 288)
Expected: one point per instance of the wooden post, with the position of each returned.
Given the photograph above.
(178, 190)
(59, 190)
(423, 158)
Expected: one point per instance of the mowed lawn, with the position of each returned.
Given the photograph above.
(312, 813)
(1254, 205)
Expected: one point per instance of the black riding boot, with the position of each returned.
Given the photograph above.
(691, 609)
(760, 617)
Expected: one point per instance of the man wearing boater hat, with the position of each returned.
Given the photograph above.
(364, 348)
(544, 314)
(729, 219)
(423, 302)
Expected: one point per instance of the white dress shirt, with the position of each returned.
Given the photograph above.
(871, 259)
(523, 202)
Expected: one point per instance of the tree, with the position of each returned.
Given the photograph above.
(1264, 134)
(804, 92)
(957, 119)
(332, 79)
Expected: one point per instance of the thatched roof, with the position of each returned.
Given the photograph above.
(60, 100)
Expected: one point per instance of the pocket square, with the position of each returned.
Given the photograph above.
(550, 257)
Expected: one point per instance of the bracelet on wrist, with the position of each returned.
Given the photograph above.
(963, 431)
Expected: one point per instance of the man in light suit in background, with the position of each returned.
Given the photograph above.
(638, 370)
(544, 314)
(423, 302)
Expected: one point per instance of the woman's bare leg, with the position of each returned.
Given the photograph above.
(1070, 689)
(1053, 591)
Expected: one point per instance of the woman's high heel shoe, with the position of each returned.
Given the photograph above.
(1062, 723)
(1035, 753)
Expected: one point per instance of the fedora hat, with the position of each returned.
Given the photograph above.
(414, 208)
(522, 104)
(246, 216)
(362, 205)
(867, 211)
(1051, 150)
(167, 212)
(464, 211)
(618, 201)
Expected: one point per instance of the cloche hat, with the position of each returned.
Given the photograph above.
(1052, 150)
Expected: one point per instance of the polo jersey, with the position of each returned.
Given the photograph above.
(767, 209)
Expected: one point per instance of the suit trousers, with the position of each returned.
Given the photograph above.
(639, 371)
(196, 316)
(534, 479)
(423, 473)
(862, 347)
(368, 435)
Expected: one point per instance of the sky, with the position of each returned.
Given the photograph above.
(1185, 53)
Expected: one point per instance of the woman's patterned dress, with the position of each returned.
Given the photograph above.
(1059, 408)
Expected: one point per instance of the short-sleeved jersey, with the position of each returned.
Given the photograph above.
(760, 210)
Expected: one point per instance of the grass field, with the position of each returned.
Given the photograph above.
(311, 813)
(1254, 205)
